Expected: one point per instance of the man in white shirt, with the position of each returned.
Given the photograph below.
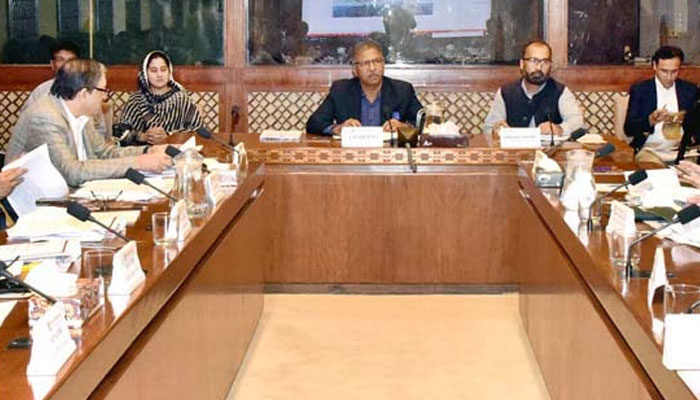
(653, 120)
(60, 53)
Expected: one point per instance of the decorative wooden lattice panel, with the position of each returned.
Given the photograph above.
(281, 110)
(10, 104)
(598, 110)
(466, 109)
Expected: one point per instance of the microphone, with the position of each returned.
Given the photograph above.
(206, 134)
(387, 117)
(172, 151)
(11, 278)
(82, 213)
(551, 130)
(575, 135)
(684, 216)
(138, 178)
(411, 161)
(634, 178)
(605, 150)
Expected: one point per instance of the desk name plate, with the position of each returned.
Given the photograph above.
(362, 136)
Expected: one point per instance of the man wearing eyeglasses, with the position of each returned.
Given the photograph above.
(61, 52)
(368, 99)
(656, 116)
(62, 121)
(535, 100)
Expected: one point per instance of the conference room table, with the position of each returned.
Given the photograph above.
(313, 216)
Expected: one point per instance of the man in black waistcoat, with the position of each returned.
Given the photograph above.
(535, 100)
(368, 99)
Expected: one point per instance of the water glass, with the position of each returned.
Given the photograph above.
(97, 264)
(162, 229)
(619, 243)
(681, 298)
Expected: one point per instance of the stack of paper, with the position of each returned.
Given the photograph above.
(29, 251)
(52, 223)
(121, 189)
(270, 135)
(42, 180)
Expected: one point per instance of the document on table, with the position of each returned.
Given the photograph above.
(270, 135)
(122, 189)
(42, 180)
(36, 226)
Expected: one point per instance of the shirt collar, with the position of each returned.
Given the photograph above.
(539, 89)
(661, 88)
(76, 123)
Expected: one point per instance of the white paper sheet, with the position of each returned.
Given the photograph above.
(109, 189)
(42, 180)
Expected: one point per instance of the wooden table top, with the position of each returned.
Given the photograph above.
(623, 300)
(108, 333)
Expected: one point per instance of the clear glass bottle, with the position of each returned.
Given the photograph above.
(189, 183)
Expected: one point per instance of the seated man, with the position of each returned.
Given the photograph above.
(535, 100)
(653, 105)
(368, 99)
(61, 120)
(60, 53)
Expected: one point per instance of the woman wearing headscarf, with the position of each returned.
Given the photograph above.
(159, 108)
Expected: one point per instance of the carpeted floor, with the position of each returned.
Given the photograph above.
(390, 347)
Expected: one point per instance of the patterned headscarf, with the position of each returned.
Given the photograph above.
(145, 87)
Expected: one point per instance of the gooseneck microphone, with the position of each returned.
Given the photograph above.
(206, 134)
(551, 130)
(138, 178)
(20, 282)
(82, 213)
(684, 216)
(634, 178)
(411, 161)
(387, 117)
(605, 150)
(575, 135)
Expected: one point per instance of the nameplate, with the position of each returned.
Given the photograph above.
(658, 276)
(127, 274)
(681, 345)
(180, 225)
(214, 191)
(520, 138)
(362, 136)
(52, 344)
(621, 219)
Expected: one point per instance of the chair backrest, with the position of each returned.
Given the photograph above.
(621, 103)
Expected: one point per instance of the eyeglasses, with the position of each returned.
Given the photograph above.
(545, 62)
(366, 64)
(107, 92)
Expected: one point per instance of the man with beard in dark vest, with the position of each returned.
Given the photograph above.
(535, 100)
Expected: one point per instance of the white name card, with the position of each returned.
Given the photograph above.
(520, 138)
(180, 225)
(658, 276)
(362, 136)
(52, 344)
(621, 219)
(212, 184)
(127, 274)
(681, 345)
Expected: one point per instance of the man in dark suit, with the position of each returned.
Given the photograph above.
(654, 105)
(368, 99)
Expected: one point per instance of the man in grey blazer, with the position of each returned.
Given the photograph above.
(62, 120)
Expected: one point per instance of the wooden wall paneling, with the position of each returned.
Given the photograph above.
(557, 30)
(580, 354)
